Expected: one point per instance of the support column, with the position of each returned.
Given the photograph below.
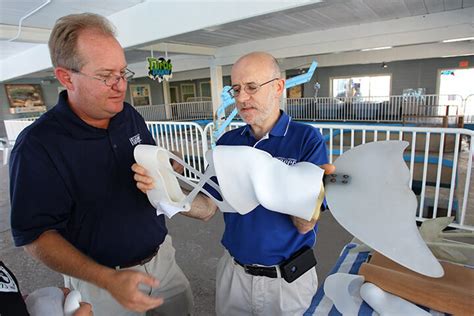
(167, 99)
(216, 88)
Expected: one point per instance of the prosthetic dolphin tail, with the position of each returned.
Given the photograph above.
(247, 178)
(376, 205)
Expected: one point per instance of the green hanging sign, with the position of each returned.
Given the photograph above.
(160, 69)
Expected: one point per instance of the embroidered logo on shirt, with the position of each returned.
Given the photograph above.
(6, 281)
(135, 140)
(288, 161)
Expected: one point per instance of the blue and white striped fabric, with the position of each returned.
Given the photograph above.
(348, 262)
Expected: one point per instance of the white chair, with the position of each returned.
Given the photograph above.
(5, 146)
(13, 129)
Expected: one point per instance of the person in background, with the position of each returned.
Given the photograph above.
(12, 303)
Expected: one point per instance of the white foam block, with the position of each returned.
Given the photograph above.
(344, 291)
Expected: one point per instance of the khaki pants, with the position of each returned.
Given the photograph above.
(239, 293)
(174, 288)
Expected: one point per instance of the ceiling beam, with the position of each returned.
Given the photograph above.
(431, 28)
(181, 49)
(28, 34)
(423, 51)
(152, 21)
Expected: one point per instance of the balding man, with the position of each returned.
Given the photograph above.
(260, 244)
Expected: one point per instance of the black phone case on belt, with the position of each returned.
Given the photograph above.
(295, 266)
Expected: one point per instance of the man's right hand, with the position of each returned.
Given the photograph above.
(144, 181)
(123, 285)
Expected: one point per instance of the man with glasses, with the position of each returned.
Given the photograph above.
(75, 205)
(249, 275)
(262, 243)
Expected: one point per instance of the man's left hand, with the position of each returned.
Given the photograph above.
(303, 225)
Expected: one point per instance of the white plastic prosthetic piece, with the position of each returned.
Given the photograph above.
(344, 290)
(387, 304)
(249, 177)
(167, 196)
(71, 304)
(45, 301)
(378, 206)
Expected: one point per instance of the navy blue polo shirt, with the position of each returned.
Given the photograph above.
(68, 176)
(263, 236)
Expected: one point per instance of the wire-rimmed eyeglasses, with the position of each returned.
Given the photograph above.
(110, 80)
(249, 88)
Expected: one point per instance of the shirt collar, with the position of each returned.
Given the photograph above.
(280, 128)
(76, 126)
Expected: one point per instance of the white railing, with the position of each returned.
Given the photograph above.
(184, 111)
(439, 160)
(469, 109)
(198, 99)
(153, 112)
(376, 109)
(427, 110)
(183, 137)
(14, 127)
(191, 111)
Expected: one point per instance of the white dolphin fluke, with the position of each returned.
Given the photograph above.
(378, 206)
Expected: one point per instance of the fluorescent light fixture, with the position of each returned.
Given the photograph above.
(375, 48)
(458, 55)
(458, 39)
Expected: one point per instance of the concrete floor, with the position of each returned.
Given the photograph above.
(197, 246)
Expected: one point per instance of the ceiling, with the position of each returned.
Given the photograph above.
(315, 17)
(197, 34)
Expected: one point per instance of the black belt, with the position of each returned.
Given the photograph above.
(290, 269)
(139, 262)
(254, 270)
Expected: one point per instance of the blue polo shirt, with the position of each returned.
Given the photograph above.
(68, 176)
(263, 236)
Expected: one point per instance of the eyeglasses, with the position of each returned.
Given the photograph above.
(110, 80)
(250, 88)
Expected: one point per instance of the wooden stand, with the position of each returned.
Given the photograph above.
(453, 293)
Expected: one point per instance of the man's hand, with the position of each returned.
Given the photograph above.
(85, 309)
(123, 286)
(177, 167)
(328, 168)
(144, 181)
(202, 208)
(303, 225)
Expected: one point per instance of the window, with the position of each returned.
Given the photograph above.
(140, 94)
(174, 94)
(188, 90)
(205, 89)
(454, 85)
(375, 87)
